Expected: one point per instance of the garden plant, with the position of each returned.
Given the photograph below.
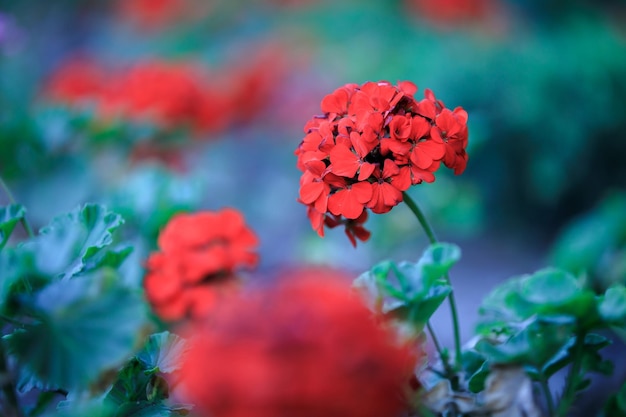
(250, 209)
(77, 333)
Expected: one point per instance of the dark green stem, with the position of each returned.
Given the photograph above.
(433, 239)
(23, 220)
(573, 377)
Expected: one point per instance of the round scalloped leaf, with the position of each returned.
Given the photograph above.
(71, 240)
(83, 327)
(612, 308)
(162, 352)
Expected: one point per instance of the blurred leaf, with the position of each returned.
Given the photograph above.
(151, 195)
(547, 292)
(75, 240)
(162, 352)
(593, 343)
(91, 408)
(83, 327)
(539, 340)
(613, 305)
(9, 216)
(591, 243)
(476, 382)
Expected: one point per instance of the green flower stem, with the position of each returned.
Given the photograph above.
(23, 220)
(433, 337)
(573, 377)
(433, 239)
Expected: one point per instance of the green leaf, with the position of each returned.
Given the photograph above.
(91, 408)
(75, 240)
(476, 382)
(150, 409)
(151, 195)
(9, 216)
(549, 286)
(548, 292)
(82, 328)
(535, 344)
(612, 308)
(162, 352)
(438, 258)
(409, 291)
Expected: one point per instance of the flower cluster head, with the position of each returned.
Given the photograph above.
(371, 144)
(196, 265)
(306, 347)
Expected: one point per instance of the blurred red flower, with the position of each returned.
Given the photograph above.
(166, 93)
(199, 255)
(306, 347)
(152, 14)
(74, 81)
(451, 12)
(373, 142)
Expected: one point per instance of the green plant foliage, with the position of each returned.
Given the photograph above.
(140, 388)
(76, 242)
(79, 328)
(538, 340)
(9, 216)
(595, 243)
(548, 292)
(162, 352)
(150, 196)
(612, 307)
(410, 291)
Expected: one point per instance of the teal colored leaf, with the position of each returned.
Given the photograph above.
(150, 409)
(112, 258)
(83, 327)
(547, 292)
(162, 352)
(9, 216)
(549, 286)
(612, 308)
(72, 241)
(90, 408)
(476, 382)
(539, 340)
(409, 291)
(151, 195)
(438, 258)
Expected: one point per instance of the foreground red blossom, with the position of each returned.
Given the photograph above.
(199, 255)
(373, 142)
(307, 347)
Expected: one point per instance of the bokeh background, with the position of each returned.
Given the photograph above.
(158, 106)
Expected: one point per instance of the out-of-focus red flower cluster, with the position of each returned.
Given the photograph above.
(196, 265)
(169, 94)
(453, 12)
(306, 347)
(151, 14)
(373, 142)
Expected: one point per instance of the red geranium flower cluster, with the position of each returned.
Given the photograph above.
(306, 348)
(373, 142)
(196, 265)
